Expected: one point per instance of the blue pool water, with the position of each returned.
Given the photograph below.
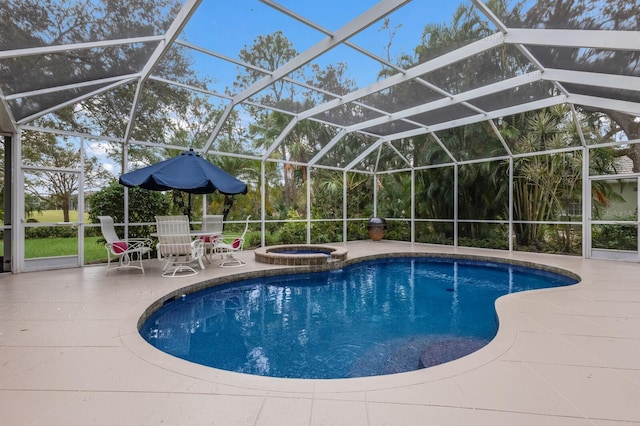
(372, 318)
(300, 251)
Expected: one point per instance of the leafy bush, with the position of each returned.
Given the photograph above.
(51, 232)
(357, 231)
(398, 230)
(252, 240)
(293, 232)
(144, 205)
(326, 232)
(619, 237)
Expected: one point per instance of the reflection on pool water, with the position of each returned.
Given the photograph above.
(372, 318)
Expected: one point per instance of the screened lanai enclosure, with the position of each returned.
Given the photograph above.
(502, 124)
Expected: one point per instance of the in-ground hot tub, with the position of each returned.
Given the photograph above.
(299, 254)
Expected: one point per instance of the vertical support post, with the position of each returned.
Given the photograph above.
(510, 233)
(17, 202)
(455, 205)
(125, 168)
(375, 195)
(262, 203)
(344, 207)
(81, 187)
(413, 205)
(586, 205)
(308, 205)
(7, 231)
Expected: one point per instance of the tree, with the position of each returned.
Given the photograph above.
(34, 23)
(545, 185)
(481, 194)
(268, 52)
(242, 168)
(307, 137)
(49, 184)
(590, 15)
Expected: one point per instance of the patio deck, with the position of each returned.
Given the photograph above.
(70, 354)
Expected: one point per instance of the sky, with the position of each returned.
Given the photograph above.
(227, 27)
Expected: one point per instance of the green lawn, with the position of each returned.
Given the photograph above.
(54, 216)
(94, 252)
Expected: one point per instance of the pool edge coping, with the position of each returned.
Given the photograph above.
(499, 345)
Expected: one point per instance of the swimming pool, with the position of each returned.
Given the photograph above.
(371, 318)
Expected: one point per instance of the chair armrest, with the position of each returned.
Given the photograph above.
(138, 243)
(197, 247)
(228, 239)
(235, 244)
(146, 241)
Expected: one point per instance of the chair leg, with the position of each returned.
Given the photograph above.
(126, 261)
(177, 266)
(175, 269)
(231, 262)
(140, 255)
(108, 263)
(210, 251)
(127, 258)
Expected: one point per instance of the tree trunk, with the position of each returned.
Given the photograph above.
(65, 209)
(227, 205)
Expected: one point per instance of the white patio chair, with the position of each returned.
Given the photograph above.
(129, 252)
(214, 225)
(227, 249)
(176, 246)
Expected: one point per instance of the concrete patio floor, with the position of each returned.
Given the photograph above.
(70, 354)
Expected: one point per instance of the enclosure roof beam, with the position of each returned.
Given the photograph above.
(544, 103)
(76, 100)
(327, 147)
(462, 53)
(612, 81)
(251, 67)
(175, 28)
(364, 154)
(283, 134)
(7, 119)
(606, 103)
(455, 99)
(358, 24)
(326, 32)
(121, 78)
(361, 22)
(597, 39)
(47, 50)
(444, 148)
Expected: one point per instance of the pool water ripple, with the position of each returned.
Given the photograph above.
(372, 318)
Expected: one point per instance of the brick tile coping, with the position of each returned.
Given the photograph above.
(274, 255)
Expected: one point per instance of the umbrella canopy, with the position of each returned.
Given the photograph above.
(187, 172)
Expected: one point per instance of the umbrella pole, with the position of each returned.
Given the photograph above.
(189, 207)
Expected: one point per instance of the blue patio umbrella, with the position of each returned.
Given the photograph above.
(187, 172)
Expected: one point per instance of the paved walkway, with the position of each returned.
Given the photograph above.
(70, 354)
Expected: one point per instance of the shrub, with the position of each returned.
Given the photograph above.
(293, 232)
(51, 232)
(144, 205)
